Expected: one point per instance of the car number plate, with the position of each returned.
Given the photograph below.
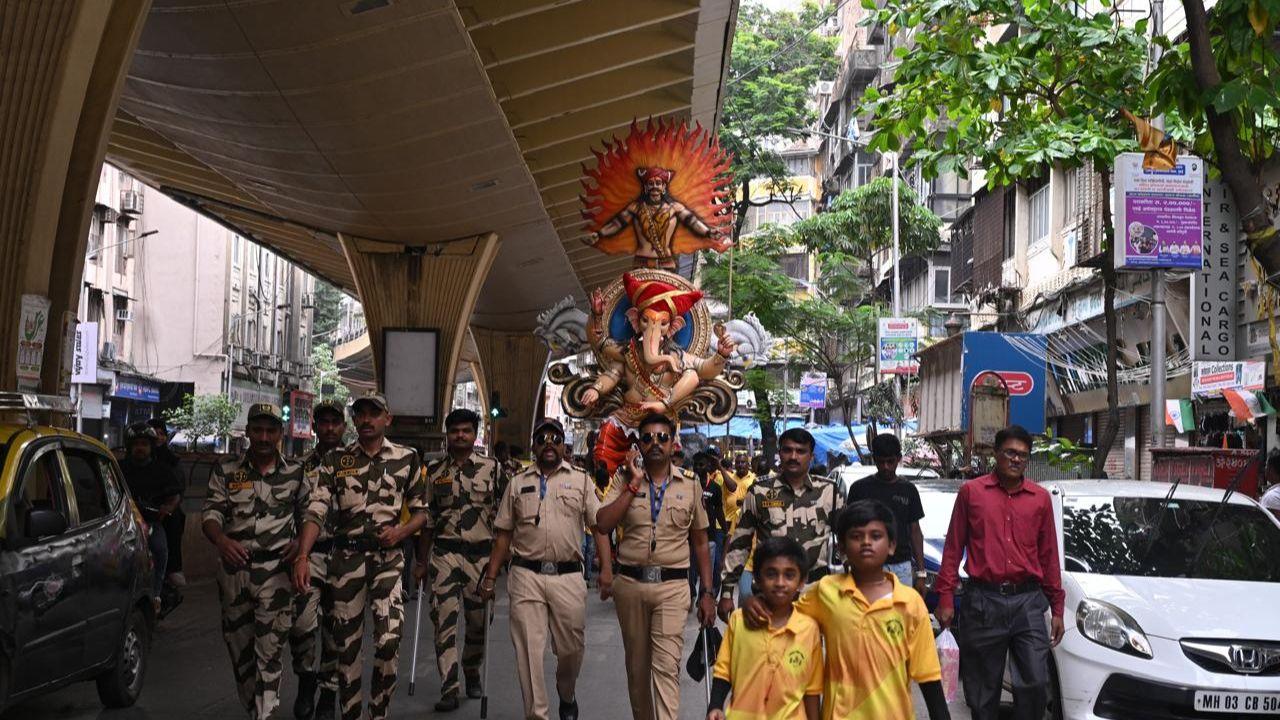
(1237, 702)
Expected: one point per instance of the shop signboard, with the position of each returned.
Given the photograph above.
(33, 326)
(899, 341)
(300, 404)
(1209, 379)
(813, 390)
(135, 389)
(84, 360)
(1019, 360)
(1214, 285)
(1159, 213)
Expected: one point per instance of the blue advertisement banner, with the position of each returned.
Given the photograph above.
(135, 390)
(1019, 359)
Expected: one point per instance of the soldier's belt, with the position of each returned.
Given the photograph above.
(323, 546)
(362, 544)
(548, 568)
(653, 573)
(463, 548)
(263, 556)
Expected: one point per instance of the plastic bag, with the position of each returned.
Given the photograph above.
(949, 656)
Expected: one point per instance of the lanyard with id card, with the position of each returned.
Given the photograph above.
(656, 497)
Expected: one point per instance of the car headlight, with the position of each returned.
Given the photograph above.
(1111, 627)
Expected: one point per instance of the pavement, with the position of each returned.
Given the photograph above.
(189, 675)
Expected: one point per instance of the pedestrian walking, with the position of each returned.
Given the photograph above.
(312, 633)
(1003, 525)
(774, 672)
(250, 516)
(734, 486)
(359, 491)
(659, 509)
(541, 520)
(903, 499)
(456, 542)
(704, 469)
(175, 522)
(790, 503)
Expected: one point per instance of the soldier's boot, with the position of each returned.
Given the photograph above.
(474, 688)
(448, 702)
(325, 705)
(568, 709)
(305, 704)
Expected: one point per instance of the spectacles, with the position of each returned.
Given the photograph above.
(661, 437)
(547, 439)
(1015, 455)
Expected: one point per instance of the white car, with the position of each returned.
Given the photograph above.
(1172, 602)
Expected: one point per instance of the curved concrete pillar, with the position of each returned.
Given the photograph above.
(431, 287)
(512, 364)
(62, 67)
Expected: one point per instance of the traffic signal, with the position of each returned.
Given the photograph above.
(284, 413)
(495, 406)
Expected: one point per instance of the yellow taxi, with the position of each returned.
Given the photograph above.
(74, 568)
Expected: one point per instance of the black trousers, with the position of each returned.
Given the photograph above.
(993, 630)
(175, 525)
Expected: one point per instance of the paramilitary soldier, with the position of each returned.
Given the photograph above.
(452, 551)
(659, 508)
(789, 504)
(329, 421)
(251, 515)
(360, 490)
(541, 521)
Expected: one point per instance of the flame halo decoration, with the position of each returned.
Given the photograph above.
(702, 181)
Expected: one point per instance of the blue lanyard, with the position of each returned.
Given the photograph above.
(655, 499)
(542, 486)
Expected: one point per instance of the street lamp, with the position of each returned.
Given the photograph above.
(141, 236)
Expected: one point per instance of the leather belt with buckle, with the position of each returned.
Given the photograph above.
(1007, 588)
(653, 573)
(547, 567)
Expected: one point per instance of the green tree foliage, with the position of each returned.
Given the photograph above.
(326, 383)
(775, 62)
(327, 313)
(201, 416)
(860, 223)
(1031, 84)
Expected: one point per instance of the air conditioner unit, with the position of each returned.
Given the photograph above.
(108, 351)
(124, 316)
(131, 202)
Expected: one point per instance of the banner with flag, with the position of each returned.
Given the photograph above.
(1244, 404)
(1178, 414)
(1266, 406)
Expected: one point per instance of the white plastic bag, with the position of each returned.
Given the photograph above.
(949, 656)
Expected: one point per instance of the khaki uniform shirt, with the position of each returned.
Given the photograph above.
(667, 544)
(464, 498)
(359, 495)
(550, 528)
(262, 513)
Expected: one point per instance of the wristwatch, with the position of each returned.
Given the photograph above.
(922, 575)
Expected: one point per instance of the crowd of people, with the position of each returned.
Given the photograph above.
(819, 591)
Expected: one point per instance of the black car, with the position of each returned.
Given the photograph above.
(75, 573)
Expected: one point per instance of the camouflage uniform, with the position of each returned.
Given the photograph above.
(464, 499)
(773, 509)
(313, 609)
(360, 495)
(262, 514)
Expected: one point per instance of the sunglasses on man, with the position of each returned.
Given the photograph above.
(661, 437)
(548, 439)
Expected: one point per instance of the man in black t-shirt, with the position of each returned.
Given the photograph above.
(704, 467)
(902, 498)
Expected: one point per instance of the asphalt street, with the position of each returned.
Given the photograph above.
(190, 674)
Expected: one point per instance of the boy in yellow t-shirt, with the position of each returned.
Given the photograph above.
(877, 630)
(774, 673)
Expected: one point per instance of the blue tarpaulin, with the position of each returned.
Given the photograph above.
(830, 438)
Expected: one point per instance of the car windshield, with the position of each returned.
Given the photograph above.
(937, 513)
(1131, 536)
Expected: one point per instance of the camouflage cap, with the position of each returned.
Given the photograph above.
(265, 410)
(330, 405)
(377, 399)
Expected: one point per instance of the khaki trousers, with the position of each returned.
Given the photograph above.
(539, 602)
(652, 616)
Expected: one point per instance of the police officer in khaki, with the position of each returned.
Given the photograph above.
(541, 520)
(251, 516)
(659, 509)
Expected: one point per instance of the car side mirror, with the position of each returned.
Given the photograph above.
(44, 522)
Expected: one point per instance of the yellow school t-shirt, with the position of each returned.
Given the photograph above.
(771, 670)
(733, 500)
(874, 650)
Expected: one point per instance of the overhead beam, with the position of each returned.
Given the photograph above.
(595, 92)
(591, 124)
(570, 65)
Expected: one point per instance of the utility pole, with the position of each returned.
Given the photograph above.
(897, 278)
(1158, 314)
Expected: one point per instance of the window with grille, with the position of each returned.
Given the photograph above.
(1038, 215)
(95, 236)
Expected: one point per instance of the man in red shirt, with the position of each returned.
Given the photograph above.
(1005, 523)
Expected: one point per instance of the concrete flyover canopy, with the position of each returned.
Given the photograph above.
(353, 134)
